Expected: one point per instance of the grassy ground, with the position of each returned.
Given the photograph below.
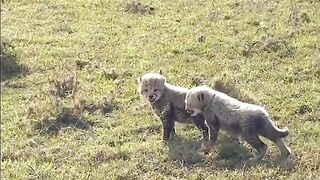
(75, 113)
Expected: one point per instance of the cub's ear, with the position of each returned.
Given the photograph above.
(138, 81)
(201, 96)
(160, 72)
(163, 79)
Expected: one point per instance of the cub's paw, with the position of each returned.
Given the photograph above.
(206, 146)
(204, 139)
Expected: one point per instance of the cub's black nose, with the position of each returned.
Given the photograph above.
(150, 96)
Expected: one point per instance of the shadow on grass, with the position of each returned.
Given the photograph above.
(234, 156)
(67, 118)
(226, 154)
(185, 150)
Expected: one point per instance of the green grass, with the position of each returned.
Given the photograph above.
(268, 49)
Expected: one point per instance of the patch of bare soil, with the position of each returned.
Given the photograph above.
(105, 106)
(136, 7)
(111, 74)
(269, 45)
(80, 64)
(101, 157)
(155, 129)
(145, 132)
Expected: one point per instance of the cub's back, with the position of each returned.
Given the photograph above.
(175, 95)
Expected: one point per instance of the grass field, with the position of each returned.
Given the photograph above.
(74, 112)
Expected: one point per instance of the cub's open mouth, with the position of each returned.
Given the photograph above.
(152, 100)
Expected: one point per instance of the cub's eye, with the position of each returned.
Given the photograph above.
(146, 90)
(155, 90)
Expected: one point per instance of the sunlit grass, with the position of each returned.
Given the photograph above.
(268, 50)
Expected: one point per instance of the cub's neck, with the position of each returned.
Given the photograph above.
(175, 95)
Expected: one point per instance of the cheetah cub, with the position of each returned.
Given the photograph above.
(168, 103)
(238, 118)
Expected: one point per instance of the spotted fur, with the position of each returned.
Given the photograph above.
(168, 103)
(248, 121)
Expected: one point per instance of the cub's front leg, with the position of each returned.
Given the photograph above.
(167, 118)
(214, 126)
(199, 121)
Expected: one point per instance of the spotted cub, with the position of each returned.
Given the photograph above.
(168, 103)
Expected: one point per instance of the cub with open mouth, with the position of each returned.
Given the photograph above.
(168, 103)
(248, 121)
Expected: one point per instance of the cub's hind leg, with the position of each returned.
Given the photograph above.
(278, 140)
(250, 127)
(276, 135)
(256, 143)
(283, 148)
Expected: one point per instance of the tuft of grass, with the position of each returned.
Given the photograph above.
(231, 90)
(136, 7)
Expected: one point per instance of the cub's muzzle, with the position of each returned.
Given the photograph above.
(152, 98)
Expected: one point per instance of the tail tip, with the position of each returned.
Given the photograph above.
(285, 131)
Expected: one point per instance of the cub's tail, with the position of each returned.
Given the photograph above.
(281, 133)
(274, 132)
